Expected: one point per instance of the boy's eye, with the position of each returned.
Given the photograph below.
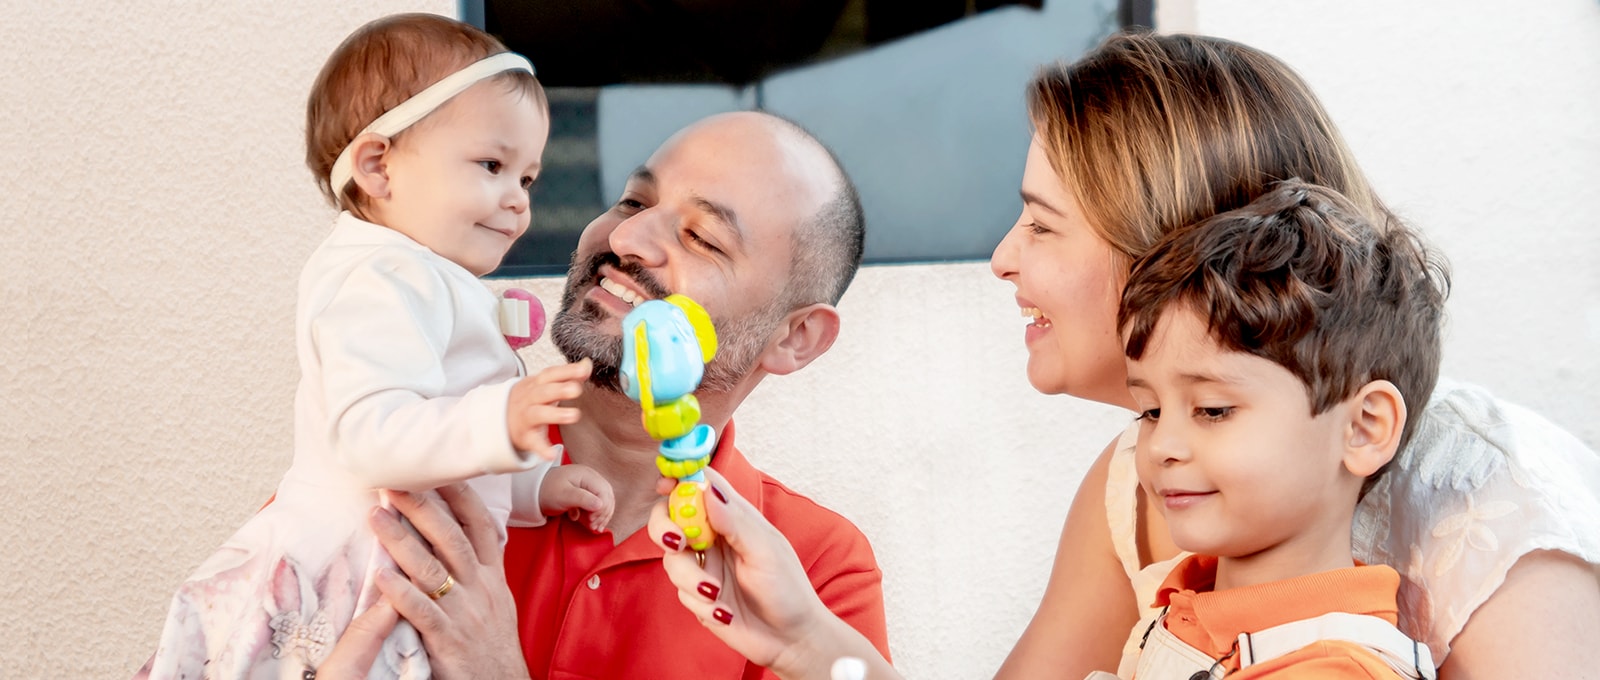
(527, 183)
(1151, 415)
(630, 205)
(492, 166)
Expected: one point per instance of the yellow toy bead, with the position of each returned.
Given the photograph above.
(686, 507)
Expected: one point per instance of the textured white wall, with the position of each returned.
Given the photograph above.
(1480, 123)
(156, 213)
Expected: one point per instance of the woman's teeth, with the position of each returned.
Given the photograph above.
(1036, 316)
(633, 299)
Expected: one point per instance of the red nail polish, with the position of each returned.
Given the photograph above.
(722, 615)
(709, 590)
(672, 540)
(719, 495)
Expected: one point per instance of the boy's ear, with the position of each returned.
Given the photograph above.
(368, 168)
(807, 333)
(1377, 418)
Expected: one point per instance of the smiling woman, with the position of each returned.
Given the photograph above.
(1064, 271)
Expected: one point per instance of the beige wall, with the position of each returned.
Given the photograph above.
(156, 213)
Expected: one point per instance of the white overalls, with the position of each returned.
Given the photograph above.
(1165, 657)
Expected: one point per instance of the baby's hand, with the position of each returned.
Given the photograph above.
(534, 405)
(577, 489)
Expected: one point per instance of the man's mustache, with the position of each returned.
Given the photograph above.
(651, 286)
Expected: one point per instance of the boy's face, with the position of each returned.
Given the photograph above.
(1230, 454)
(459, 178)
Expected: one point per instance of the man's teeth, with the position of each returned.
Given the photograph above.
(1036, 315)
(616, 289)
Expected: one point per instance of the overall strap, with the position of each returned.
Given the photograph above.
(1406, 656)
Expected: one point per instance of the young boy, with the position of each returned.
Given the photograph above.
(1273, 352)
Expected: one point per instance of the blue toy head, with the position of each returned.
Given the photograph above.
(674, 358)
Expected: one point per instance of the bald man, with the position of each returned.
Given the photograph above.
(753, 218)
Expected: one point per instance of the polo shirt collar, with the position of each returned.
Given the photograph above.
(726, 459)
(1192, 601)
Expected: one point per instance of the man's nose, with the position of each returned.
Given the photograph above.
(642, 238)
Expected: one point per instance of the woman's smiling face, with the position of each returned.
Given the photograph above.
(1069, 281)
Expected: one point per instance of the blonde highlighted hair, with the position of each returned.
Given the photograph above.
(1156, 132)
(377, 67)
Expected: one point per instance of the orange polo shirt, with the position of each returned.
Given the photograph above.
(589, 609)
(1211, 620)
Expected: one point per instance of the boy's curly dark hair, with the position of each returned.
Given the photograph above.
(1300, 278)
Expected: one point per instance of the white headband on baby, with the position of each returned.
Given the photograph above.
(423, 103)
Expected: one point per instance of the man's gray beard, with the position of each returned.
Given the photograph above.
(575, 331)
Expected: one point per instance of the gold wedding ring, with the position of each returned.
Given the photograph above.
(444, 588)
(700, 556)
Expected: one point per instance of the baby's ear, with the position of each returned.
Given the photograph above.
(368, 168)
(1377, 415)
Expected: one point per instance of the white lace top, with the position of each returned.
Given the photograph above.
(1482, 483)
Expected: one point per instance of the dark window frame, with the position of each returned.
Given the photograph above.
(561, 205)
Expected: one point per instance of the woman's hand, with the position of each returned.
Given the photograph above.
(754, 595)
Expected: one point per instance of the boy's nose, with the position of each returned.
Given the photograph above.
(1166, 446)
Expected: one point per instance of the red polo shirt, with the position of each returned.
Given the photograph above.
(589, 609)
(1211, 620)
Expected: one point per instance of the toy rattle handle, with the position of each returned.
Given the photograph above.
(687, 507)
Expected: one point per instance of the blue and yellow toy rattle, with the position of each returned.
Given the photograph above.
(665, 346)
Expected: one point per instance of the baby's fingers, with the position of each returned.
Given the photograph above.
(539, 415)
(575, 372)
(549, 392)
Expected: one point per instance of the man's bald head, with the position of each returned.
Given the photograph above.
(830, 237)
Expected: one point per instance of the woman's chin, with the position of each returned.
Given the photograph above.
(1046, 379)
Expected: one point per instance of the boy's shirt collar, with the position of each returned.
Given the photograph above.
(1212, 620)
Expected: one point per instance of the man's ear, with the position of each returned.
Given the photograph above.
(369, 170)
(806, 333)
(1377, 415)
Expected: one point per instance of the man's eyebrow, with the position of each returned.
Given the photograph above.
(642, 174)
(1035, 199)
(723, 214)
